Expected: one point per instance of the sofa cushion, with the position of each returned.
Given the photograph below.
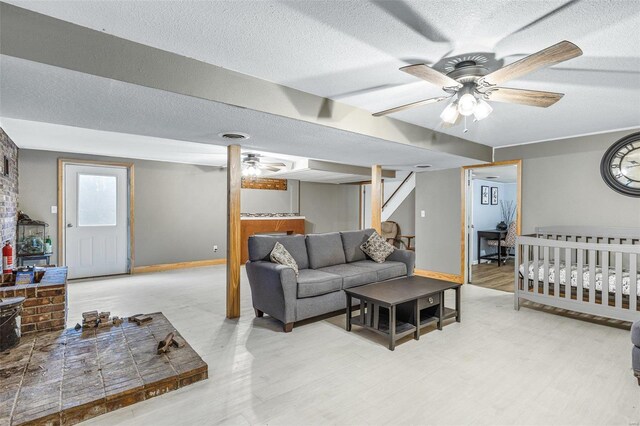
(377, 248)
(315, 283)
(351, 242)
(260, 247)
(387, 270)
(325, 250)
(352, 276)
(281, 255)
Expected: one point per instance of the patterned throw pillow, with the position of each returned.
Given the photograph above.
(280, 255)
(377, 248)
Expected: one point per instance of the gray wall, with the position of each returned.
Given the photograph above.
(438, 233)
(561, 184)
(180, 209)
(271, 201)
(329, 207)
(405, 215)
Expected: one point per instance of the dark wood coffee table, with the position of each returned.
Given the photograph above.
(427, 295)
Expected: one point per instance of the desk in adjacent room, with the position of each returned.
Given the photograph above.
(491, 234)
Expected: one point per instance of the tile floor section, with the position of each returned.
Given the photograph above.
(64, 377)
(498, 366)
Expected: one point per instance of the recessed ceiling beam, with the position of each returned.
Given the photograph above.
(40, 38)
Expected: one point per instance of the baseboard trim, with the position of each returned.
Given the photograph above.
(178, 265)
(440, 276)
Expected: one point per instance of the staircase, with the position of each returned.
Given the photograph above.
(398, 196)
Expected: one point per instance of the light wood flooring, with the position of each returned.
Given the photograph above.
(497, 367)
(489, 275)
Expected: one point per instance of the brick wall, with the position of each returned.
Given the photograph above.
(45, 307)
(8, 189)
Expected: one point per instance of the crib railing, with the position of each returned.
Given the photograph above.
(593, 250)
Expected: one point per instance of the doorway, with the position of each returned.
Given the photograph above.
(492, 219)
(95, 223)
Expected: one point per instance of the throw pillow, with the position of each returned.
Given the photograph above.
(281, 255)
(377, 248)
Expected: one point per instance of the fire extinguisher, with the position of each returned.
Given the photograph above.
(7, 259)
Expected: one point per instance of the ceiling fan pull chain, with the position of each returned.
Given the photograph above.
(465, 125)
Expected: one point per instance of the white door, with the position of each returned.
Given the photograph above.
(96, 220)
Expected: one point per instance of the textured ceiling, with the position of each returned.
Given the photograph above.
(42, 93)
(505, 174)
(352, 50)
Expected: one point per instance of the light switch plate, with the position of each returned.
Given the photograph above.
(54, 209)
(423, 213)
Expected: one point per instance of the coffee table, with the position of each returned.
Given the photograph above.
(422, 294)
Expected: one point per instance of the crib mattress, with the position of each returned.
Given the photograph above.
(626, 279)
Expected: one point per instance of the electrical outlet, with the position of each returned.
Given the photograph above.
(423, 213)
(215, 249)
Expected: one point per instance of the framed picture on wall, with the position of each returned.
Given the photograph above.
(494, 195)
(484, 195)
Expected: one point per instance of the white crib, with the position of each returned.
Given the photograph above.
(582, 269)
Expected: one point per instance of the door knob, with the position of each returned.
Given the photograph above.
(69, 225)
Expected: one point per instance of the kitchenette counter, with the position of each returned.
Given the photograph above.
(268, 223)
(271, 217)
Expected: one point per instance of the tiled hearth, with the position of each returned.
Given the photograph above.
(65, 377)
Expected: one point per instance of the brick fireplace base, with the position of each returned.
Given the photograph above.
(45, 307)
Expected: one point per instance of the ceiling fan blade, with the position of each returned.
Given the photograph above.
(552, 55)
(273, 164)
(522, 96)
(432, 76)
(411, 105)
(271, 169)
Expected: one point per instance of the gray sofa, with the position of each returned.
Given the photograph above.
(328, 264)
(635, 351)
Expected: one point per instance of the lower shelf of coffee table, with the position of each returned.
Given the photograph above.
(402, 328)
(449, 313)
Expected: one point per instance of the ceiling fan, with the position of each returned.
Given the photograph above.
(252, 166)
(474, 84)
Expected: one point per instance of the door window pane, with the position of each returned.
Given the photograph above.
(97, 200)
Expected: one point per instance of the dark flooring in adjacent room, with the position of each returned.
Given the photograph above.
(489, 275)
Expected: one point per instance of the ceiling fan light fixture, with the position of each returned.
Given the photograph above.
(251, 171)
(450, 113)
(482, 110)
(467, 104)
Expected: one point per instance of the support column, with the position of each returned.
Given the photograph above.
(234, 244)
(376, 197)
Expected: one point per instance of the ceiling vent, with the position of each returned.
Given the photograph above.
(233, 135)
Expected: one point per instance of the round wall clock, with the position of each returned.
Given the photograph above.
(620, 165)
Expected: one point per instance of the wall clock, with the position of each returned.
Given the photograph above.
(620, 165)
